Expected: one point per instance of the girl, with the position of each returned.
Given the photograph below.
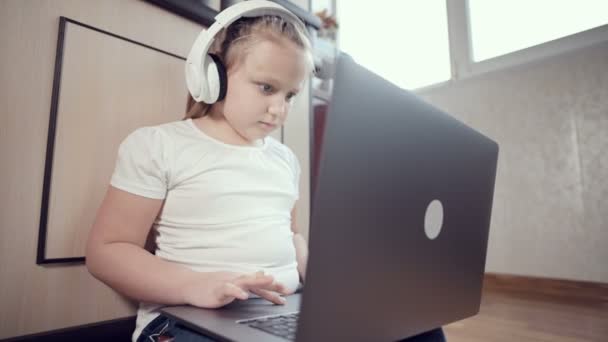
(217, 192)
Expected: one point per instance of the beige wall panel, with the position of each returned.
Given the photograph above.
(40, 298)
(215, 4)
(296, 135)
(109, 87)
(550, 119)
(36, 298)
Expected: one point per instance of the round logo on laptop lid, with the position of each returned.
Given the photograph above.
(433, 219)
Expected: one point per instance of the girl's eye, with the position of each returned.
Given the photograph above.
(266, 88)
(290, 96)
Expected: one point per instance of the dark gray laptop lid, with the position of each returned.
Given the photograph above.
(373, 274)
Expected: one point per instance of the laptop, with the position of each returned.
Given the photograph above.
(399, 225)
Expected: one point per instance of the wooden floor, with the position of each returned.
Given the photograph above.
(515, 316)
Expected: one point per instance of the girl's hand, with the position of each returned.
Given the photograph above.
(216, 289)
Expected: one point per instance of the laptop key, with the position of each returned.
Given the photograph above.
(283, 325)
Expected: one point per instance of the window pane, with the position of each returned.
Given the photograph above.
(406, 42)
(499, 27)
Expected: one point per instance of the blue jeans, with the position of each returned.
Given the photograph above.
(164, 328)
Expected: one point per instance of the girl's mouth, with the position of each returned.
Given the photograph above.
(268, 125)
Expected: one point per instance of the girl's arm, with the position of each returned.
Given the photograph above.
(115, 255)
(300, 245)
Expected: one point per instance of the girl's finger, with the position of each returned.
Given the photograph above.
(232, 290)
(282, 289)
(266, 282)
(253, 281)
(276, 287)
(270, 296)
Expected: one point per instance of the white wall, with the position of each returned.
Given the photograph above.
(550, 117)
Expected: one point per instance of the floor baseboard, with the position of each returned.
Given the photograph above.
(580, 290)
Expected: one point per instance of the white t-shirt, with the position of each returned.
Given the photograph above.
(226, 207)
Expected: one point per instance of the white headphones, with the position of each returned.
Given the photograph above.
(205, 73)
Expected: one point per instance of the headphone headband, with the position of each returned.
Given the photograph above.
(201, 69)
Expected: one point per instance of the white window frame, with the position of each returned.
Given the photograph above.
(461, 56)
(461, 44)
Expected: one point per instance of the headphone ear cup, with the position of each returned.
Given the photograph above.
(193, 81)
(208, 84)
(209, 79)
(222, 77)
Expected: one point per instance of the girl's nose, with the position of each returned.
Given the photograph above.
(279, 108)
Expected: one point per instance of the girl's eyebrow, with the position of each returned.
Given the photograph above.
(274, 81)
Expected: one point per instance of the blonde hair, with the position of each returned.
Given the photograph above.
(233, 42)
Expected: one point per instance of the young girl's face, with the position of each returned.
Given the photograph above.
(261, 88)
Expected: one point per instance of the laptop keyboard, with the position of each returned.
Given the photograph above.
(280, 325)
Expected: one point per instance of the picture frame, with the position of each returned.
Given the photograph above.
(77, 167)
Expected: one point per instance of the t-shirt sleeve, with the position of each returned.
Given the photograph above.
(141, 165)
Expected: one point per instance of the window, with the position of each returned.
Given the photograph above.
(499, 27)
(406, 42)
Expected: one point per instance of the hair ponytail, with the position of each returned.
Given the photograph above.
(195, 109)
